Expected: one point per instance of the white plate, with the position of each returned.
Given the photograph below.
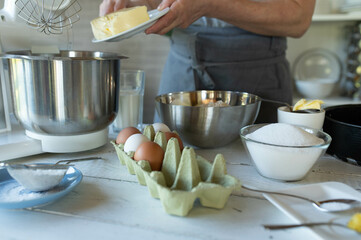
(154, 15)
(13, 195)
(317, 65)
(302, 211)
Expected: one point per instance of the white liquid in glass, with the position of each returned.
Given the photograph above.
(130, 110)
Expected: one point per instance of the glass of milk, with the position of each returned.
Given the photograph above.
(130, 100)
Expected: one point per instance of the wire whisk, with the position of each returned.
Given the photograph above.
(49, 16)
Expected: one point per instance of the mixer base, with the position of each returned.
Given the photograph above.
(73, 143)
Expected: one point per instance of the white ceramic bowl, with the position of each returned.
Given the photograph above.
(317, 88)
(285, 163)
(311, 120)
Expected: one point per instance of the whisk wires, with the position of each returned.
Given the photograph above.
(49, 16)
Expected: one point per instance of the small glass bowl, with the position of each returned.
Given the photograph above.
(284, 163)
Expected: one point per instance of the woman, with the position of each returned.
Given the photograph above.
(237, 45)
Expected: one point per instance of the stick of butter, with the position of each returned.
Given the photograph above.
(117, 22)
(310, 104)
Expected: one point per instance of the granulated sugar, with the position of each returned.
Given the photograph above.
(13, 192)
(285, 135)
(336, 206)
(37, 179)
(290, 159)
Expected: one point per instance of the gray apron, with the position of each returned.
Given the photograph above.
(229, 58)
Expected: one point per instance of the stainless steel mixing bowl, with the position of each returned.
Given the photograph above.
(70, 93)
(203, 125)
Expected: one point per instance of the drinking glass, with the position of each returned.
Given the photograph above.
(130, 100)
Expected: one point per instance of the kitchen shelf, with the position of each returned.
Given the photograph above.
(355, 16)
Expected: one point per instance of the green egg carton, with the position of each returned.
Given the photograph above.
(184, 177)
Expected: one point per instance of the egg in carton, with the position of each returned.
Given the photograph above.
(184, 176)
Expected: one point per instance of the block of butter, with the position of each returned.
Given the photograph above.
(117, 22)
(310, 104)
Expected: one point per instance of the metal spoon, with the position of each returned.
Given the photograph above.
(45, 166)
(291, 108)
(40, 176)
(330, 205)
(285, 226)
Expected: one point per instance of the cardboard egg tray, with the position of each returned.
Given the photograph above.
(184, 177)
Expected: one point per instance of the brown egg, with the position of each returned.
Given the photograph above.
(125, 133)
(151, 152)
(169, 135)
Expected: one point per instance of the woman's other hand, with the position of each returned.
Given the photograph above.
(109, 6)
(182, 13)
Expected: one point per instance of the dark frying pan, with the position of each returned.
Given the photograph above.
(343, 124)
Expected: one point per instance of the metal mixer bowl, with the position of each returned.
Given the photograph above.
(205, 126)
(70, 93)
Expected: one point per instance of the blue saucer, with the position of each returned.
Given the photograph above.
(13, 195)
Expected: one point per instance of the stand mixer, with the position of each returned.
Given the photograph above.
(64, 104)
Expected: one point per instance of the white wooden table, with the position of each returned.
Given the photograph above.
(110, 204)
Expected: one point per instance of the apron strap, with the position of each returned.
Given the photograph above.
(199, 69)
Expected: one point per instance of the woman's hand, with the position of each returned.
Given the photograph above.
(182, 13)
(109, 6)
